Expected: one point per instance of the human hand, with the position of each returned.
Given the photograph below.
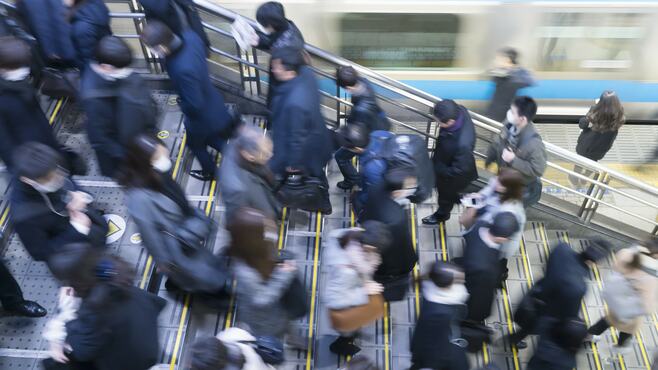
(373, 287)
(80, 218)
(288, 265)
(79, 201)
(57, 352)
(508, 155)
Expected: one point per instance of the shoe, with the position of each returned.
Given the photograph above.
(27, 309)
(344, 346)
(345, 185)
(590, 338)
(201, 176)
(172, 287)
(436, 218)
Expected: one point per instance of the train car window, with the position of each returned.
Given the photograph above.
(385, 40)
(590, 42)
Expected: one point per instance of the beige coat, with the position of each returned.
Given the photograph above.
(643, 282)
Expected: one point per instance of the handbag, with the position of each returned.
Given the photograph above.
(354, 318)
(270, 349)
(624, 302)
(193, 232)
(294, 298)
(303, 192)
(58, 83)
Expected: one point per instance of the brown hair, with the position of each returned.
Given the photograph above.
(651, 244)
(607, 114)
(247, 229)
(512, 180)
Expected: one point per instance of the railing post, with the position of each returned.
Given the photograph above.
(259, 88)
(151, 62)
(429, 129)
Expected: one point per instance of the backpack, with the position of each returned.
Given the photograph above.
(624, 302)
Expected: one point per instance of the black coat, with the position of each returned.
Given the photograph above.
(122, 335)
(165, 12)
(117, 112)
(431, 345)
(299, 133)
(482, 272)
(205, 112)
(593, 144)
(508, 82)
(365, 109)
(21, 119)
(90, 22)
(43, 231)
(549, 355)
(400, 258)
(454, 163)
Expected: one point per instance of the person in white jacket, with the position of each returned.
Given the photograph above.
(232, 349)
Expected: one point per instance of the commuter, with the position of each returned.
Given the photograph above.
(117, 102)
(360, 363)
(435, 343)
(178, 15)
(386, 204)
(353, 255)
(302, 142)
(47, 21)
(481, 262)
(558, 295)
(115, 326)
(520, 147)
(11, 297)
(172, 231)
(509, 77)
(90, 22)
(232, 348)
(207, 120)
(245, 179)
(263, 281)
(599, 130)
(454, 164)
(366, 110)
(636, 268)
(48, 209)
(21, 117)
(559, 345)
(504, 193)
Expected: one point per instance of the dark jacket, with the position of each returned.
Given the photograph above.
(563, 286)
(365, 109)
(372, 166)
(117, 112)
(549, 355)
(301, 138)
(166, 12)
(121, 335)
(245, 185)
(508, 83)
(43, 231)
(529, 150)
(594, 144)
(454, 164)
(482, 272)
(436, 328)
(289, 38)
(21, 119)
(205, 112)
(90, 22)
(400, 258)
(47, 21)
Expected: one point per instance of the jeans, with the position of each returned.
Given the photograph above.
(603, 325)
(10, 292)
(344, 161)
(532, 193)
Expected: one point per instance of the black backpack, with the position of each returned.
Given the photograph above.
(411, 150)
(476, 335)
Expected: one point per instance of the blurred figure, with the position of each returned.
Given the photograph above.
(559, 345)
(207, 120)
(504, 193)
(454, 164)
(302, 142)
(360, 363)
(48, 209)
(245, 179)
(117, 102)
(172, 231)
(263, 280)
(366, 110)
(630, 292)
(116, 324)
(387, 204)
(520, 147)
(509, 77)
(11, 297)
(178, 15)
(353, 255)
(481, 262)
(599, 130)
(22, 119)
(233, 349)
(435, 342)
(90, 22)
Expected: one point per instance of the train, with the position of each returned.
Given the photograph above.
(576, 49)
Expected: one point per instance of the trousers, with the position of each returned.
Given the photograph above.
(10, 293)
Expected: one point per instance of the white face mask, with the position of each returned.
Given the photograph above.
(49, 187)
(510, 117)
(16, 74)
(162, 164)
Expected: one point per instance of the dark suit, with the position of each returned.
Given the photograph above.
(167, 12)
(89, 24)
